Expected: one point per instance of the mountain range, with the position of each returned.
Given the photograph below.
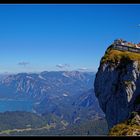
(59, 96)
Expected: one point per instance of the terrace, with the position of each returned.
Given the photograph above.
(122, 45)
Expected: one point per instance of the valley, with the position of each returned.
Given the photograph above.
(62, 100)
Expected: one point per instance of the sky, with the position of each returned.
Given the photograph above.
(49, 37)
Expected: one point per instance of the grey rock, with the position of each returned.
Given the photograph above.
(116, 87)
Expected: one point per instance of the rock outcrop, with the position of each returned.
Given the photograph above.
(130, 127)
(117, 85)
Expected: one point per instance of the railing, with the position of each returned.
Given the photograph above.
(126, 48)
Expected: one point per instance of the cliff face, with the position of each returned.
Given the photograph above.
(117, 85)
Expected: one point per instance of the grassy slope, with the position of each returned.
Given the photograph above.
(126, 128)
(115, 56)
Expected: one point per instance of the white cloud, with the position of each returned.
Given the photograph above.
(61, 66)
(23, 63)
(82, 69)
(66, 65)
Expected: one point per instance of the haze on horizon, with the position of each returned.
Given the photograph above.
(50, 37)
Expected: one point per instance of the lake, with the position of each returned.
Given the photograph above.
(16, 105)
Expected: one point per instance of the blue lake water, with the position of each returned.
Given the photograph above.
(16, 105)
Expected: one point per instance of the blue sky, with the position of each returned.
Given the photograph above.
(62, 37)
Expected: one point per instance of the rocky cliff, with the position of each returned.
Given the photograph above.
(117, 85)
